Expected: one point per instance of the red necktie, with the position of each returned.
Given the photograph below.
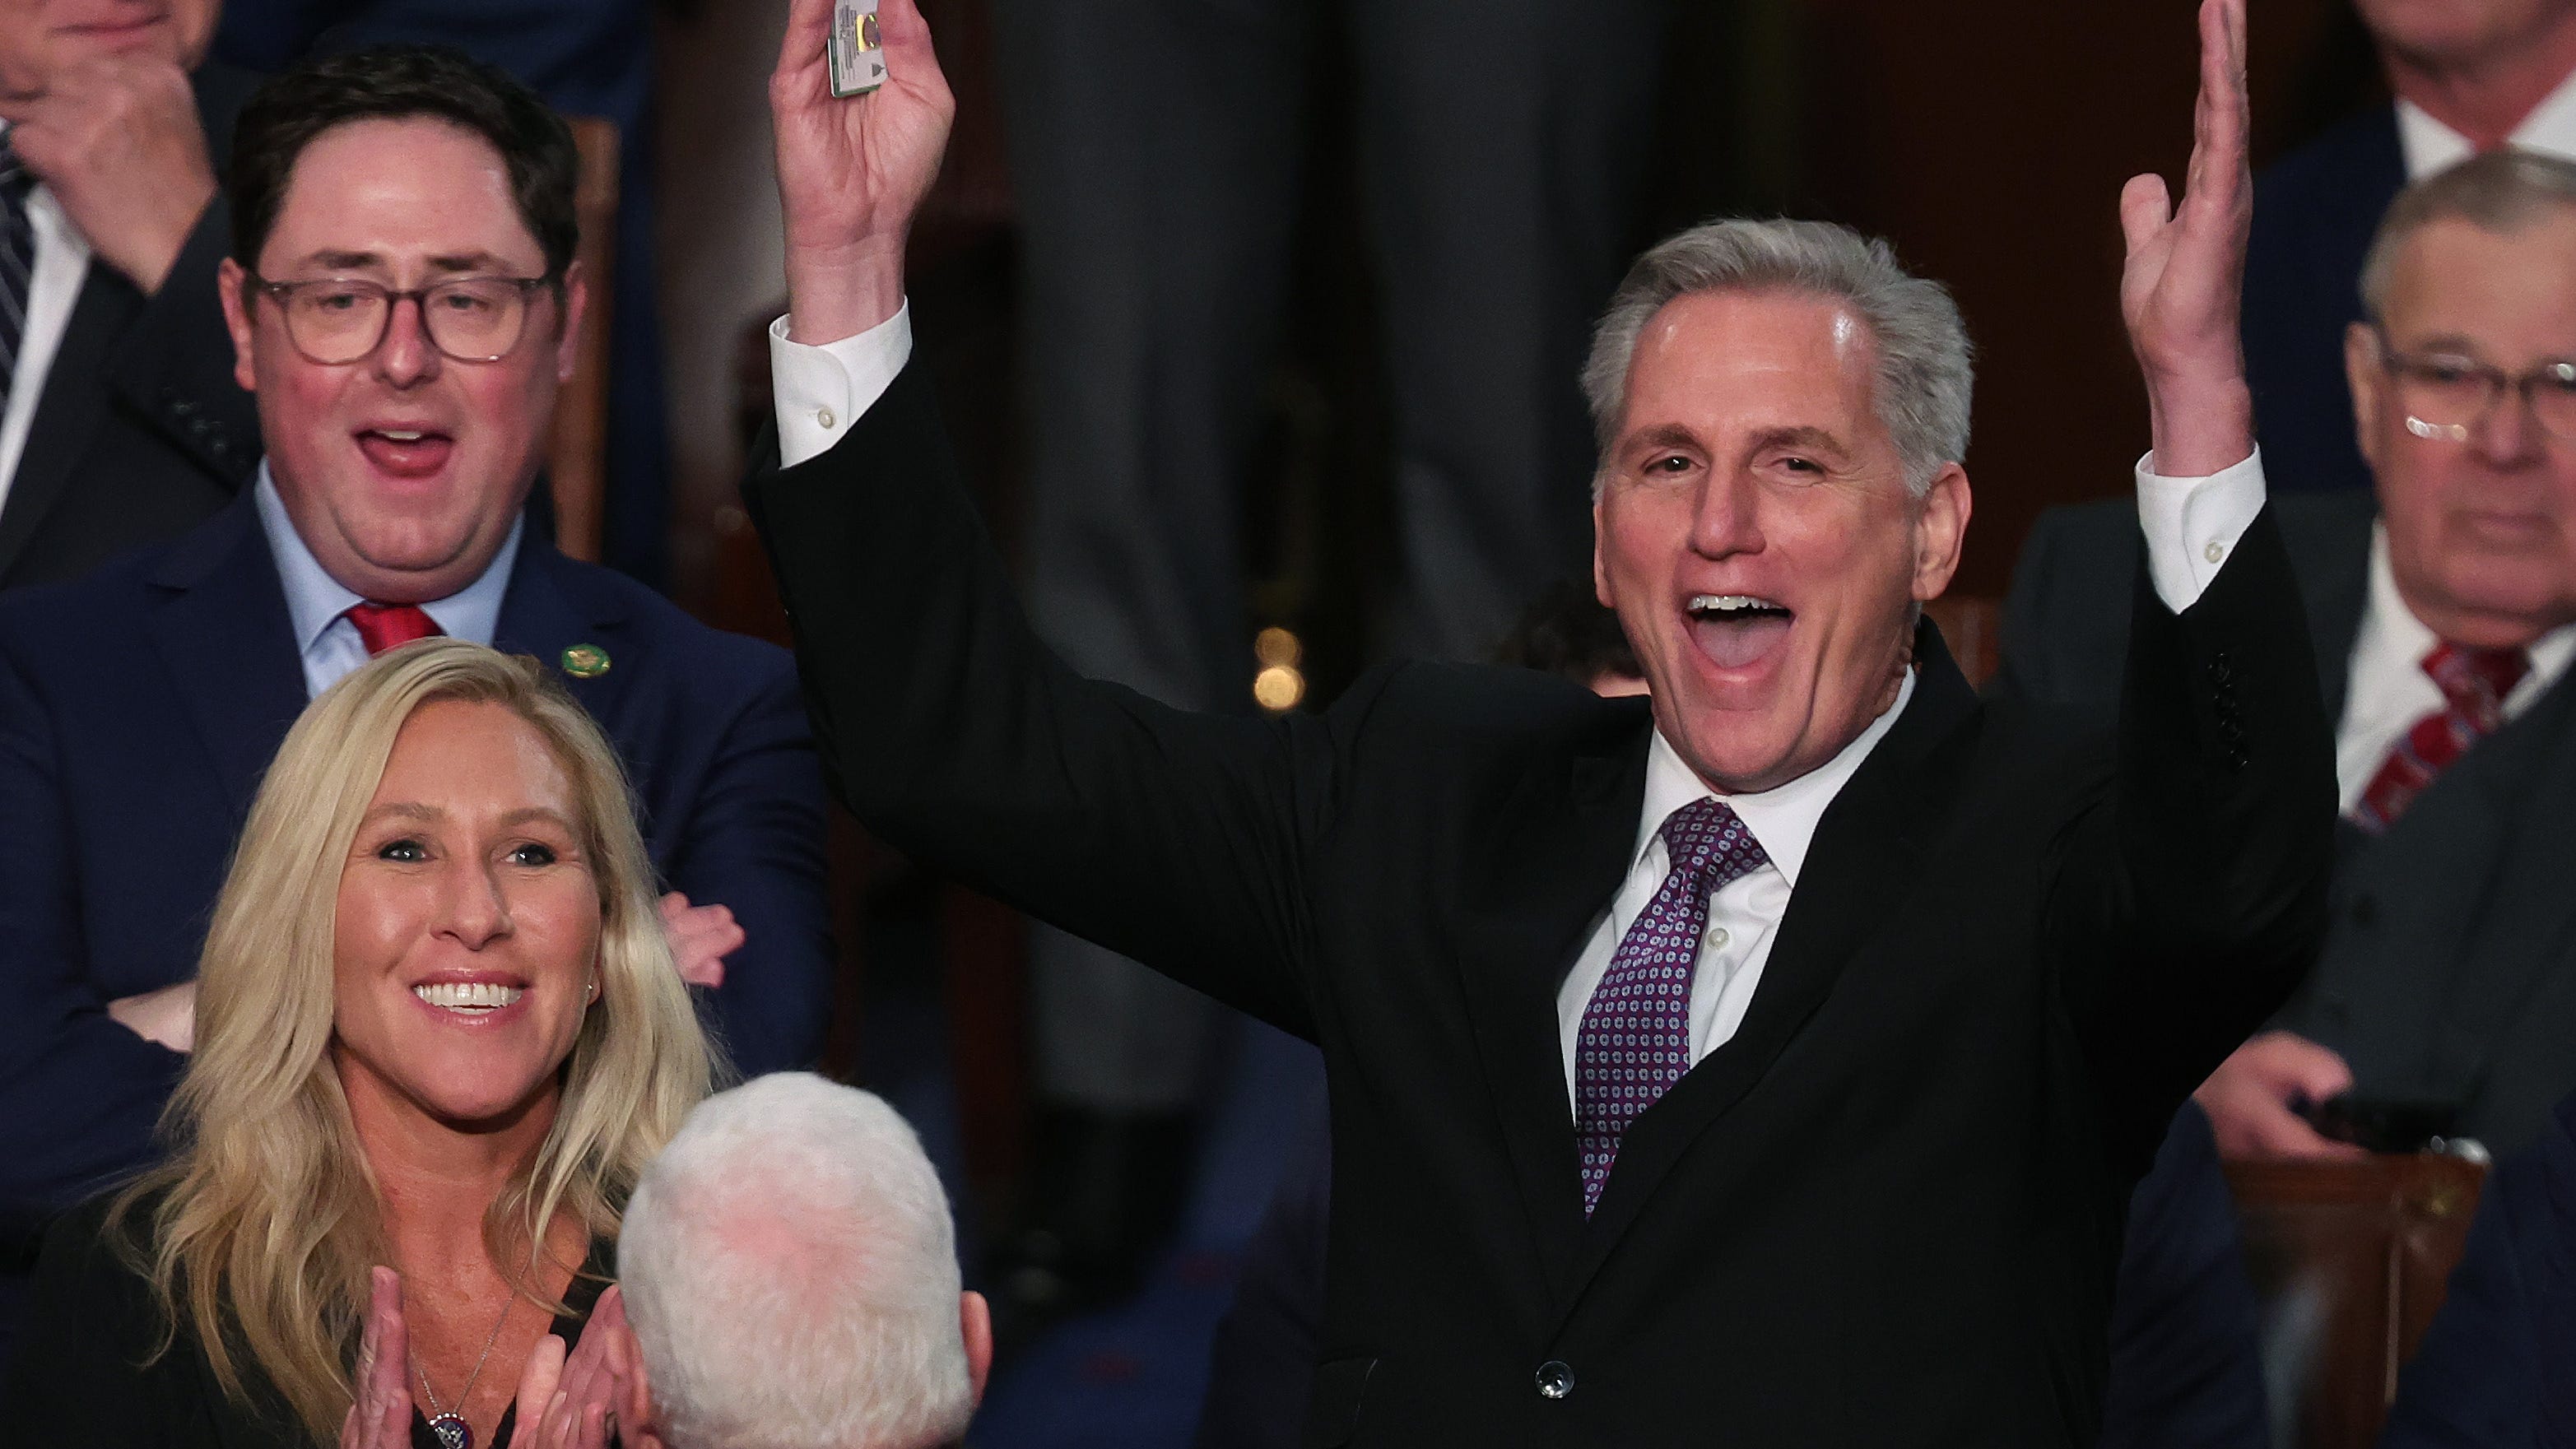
(2474, 683)
(387, 626)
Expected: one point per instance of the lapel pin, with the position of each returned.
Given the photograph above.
(585, 661)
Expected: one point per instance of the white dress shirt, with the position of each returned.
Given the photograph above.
(2191, 525)
(53, 287)
(2430, 146)
(2387, 690)
(317, 605)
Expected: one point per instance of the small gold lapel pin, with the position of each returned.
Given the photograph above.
(585, 661)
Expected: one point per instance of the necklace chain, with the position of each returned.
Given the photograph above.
(489, 1339)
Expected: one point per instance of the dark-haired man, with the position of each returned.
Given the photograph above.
(404, 304)
(120, 423)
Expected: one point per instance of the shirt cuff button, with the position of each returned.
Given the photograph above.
(824, 416)
(2214, 552)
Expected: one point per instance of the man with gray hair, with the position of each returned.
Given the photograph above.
(790, 1276)
(2444, 607)
(1765, 1061)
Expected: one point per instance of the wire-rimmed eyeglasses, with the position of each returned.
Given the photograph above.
(2446, 394)
(335, 320)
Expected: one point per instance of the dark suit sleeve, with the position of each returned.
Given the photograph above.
(2476, 1380)
(2066, 621)
(2190, 896)
(79, 1094)
(1173, 838)
(755, 844)
(173, 364)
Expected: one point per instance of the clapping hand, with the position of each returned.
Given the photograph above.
(381, 1416)
(852, 171)
(2183, 288)
(593, 1399)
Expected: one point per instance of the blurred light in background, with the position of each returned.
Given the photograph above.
(1278, 687)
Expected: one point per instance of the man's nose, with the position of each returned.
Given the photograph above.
(406, 357)
(1728, 518)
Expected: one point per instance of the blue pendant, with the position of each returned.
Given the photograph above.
(452, 1432)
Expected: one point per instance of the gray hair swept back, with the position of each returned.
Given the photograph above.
(1926, 368)
(2498, 192)
(791, 1274)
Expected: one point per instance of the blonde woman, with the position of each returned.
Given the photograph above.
(439, 1033)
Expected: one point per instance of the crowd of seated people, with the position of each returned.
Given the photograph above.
(389, 903)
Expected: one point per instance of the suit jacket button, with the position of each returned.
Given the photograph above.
(1555, 1380)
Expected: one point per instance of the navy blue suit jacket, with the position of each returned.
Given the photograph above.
(138, 710)
(2498, 1368)
(2315, 211)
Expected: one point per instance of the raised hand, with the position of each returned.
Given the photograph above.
(2183, 288)
(852, 172)
(380, 1417)
(577, 1401)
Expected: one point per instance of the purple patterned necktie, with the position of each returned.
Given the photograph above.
(1635, 1041)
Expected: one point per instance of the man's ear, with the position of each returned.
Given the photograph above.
(1940, 532)
(230, 282)
(975, 1321)
(1600, 565)
(2362, 374)
(576, 305)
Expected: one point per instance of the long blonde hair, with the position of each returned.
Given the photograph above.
(266, 1219)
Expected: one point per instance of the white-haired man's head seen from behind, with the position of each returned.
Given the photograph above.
(790, 1272)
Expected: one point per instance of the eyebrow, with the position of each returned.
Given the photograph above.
(1796, 437)
(1663, 435)
(473, 261)
(407, 810)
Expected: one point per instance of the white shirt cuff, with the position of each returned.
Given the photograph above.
(822, 390)
(2192, 525)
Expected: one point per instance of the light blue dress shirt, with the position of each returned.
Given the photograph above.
(317, 604)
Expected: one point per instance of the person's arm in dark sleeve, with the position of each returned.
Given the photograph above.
(79, 1093)
(174, 362)
(2476, 1380)
(2066, 618)
(755, 843)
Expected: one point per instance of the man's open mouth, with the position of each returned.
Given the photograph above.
(406, 452)
(1735, 630)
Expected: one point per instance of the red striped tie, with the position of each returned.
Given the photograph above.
(2474, 683)
(389, 626)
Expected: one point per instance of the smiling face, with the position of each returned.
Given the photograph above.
(2481, 532)
(39, 37)
(404, 470)
(1756, 536)
(468, 924)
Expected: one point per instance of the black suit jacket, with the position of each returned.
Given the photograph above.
(1886, 1212)
(141, 433)
(2315, 211)
(2449, 972)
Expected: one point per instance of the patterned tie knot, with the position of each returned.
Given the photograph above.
(388, 626)
(1708, 841)
(2476, 681)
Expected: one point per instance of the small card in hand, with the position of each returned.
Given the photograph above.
(858, 57)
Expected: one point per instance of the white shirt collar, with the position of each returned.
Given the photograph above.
(1783, 818)
(2388, 653)
(2431, 146)
(315, 600)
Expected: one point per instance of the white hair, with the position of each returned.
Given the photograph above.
(1926, 368)
(790, 1270)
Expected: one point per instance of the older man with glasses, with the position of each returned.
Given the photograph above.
(2444, 609)
(403, 303)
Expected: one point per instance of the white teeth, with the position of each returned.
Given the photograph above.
(1730, 603)
(467, 995)
(403, 437)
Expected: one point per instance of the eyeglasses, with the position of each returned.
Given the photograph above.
(2445, 395)
(334, 320)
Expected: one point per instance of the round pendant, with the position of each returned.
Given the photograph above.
(452, 1432)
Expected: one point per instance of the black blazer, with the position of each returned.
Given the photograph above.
(2449, 972)
(2498, 1367)
(142, 433)
(1887, 1212)
(2315, 211)
(82, 1376)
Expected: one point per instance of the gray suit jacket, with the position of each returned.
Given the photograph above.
(2449, 970)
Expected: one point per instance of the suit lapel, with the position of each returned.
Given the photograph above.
(75, 401)
(549, 608)
(1560, 842)
(222, 630)
(1865, 848)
